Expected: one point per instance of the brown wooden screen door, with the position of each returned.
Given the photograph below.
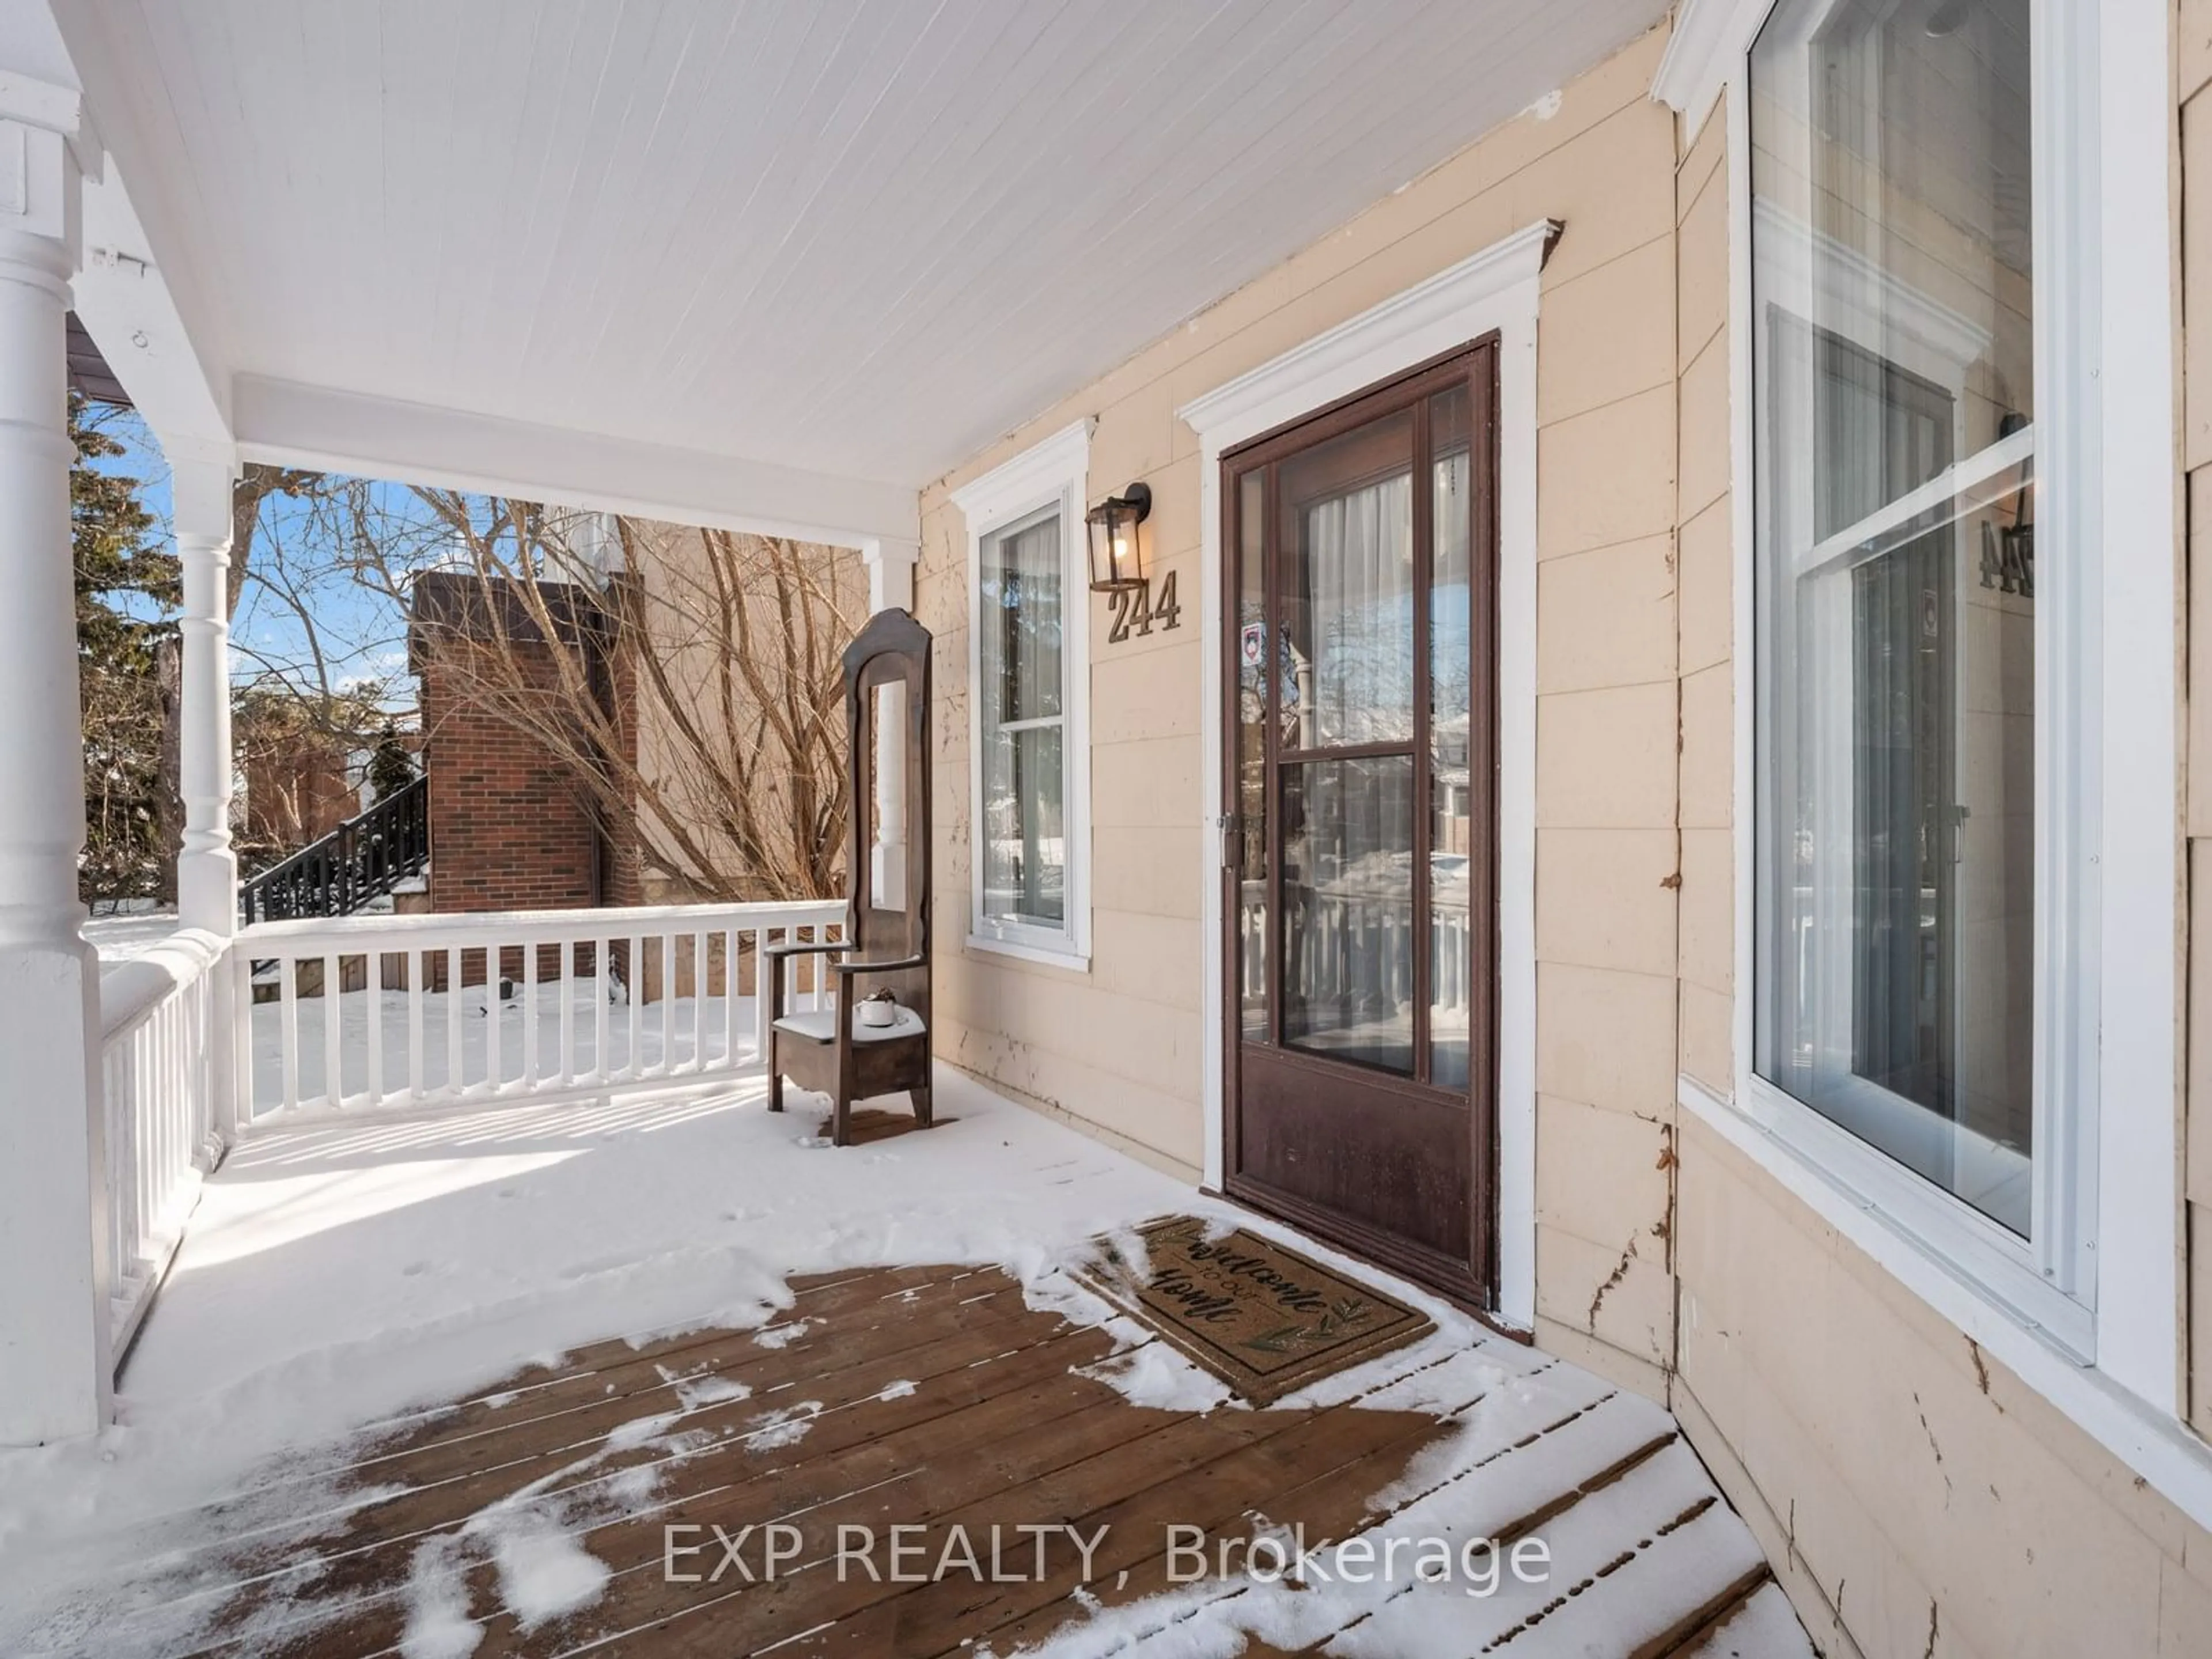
(1360, 896)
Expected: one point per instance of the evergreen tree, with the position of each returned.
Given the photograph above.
(391, 768)
(127, 593)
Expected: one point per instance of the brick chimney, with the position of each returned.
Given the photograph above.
(511, 826)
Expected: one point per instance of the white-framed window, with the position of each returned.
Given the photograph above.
(2081, 1301)
(1915, 678)
(1955, 525)
(1027, 728)
(1919, 685)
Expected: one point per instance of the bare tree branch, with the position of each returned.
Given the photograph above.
(695, 695)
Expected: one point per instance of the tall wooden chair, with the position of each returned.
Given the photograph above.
(829, 1050)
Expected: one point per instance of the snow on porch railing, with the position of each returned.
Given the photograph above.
(159, 1076)
(365, 1011)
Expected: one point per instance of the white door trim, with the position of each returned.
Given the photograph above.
(1492, 291)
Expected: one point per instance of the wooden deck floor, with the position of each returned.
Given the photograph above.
(934, 1398)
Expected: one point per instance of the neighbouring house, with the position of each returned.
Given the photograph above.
(570, 727)
(297, 783)
(316, 829)
(294, 788)
(623, 671)
(1562, 652)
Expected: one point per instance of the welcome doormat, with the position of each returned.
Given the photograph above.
(1264, 1319)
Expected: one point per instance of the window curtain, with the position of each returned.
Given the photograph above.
(1358, 571)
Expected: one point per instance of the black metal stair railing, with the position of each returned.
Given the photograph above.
(364, 858)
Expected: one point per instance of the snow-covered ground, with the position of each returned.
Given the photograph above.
(336, 1275)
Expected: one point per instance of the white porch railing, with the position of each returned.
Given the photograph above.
(368, 1012)
(159, 1076)
(1357, 945)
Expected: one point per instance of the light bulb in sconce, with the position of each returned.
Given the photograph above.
(1117, 554)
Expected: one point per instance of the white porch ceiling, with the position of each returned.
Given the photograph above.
(858, 238)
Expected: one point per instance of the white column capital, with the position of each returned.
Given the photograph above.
(201, 479)
(890, 573)
(42, 154)
(53, 108)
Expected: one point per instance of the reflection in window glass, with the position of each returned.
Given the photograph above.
(1253, 695)
(1452, 954)
(1347, 605)
(1347, 932)
(1018, 612)
(1893, 299)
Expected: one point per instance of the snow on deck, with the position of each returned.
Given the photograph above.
(346, 1275)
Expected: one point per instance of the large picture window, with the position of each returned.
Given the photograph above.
(1899, 652)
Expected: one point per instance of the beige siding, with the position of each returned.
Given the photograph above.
(1706, 643)
(1900, 1479)
(1120, 1048)
(1608, 857)
(1915, 1497)
(2194, 61)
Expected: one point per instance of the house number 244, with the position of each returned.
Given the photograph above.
(1135, 610)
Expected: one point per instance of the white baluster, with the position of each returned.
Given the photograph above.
(667, 1003)
(333, 1074)
(602, 975)
(494, 1022)
(288, 1021)
(529, 1017)
(456, 1065)
(372, 967)
(418, 971)
(567, 994)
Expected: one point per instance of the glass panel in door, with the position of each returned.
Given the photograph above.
(1347, 589)
(1347, 923)
(1253, 700)
(1346, 596)
(1452, 954)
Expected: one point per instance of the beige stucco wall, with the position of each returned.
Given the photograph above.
(1915, 1497)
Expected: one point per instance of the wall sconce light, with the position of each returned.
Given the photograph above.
(1117, 561)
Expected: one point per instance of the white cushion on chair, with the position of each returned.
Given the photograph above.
(819, 1025)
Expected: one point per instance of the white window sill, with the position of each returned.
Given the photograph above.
(2154, 1445)
(1074, 961)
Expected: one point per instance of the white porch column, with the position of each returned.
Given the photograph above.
(207, 869)
(55, 1371)
(891, 587)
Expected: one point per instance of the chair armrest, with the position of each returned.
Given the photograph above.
(804, 948)
(772, 954)
(848, 968)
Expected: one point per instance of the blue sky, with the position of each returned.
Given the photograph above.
(361, 631)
